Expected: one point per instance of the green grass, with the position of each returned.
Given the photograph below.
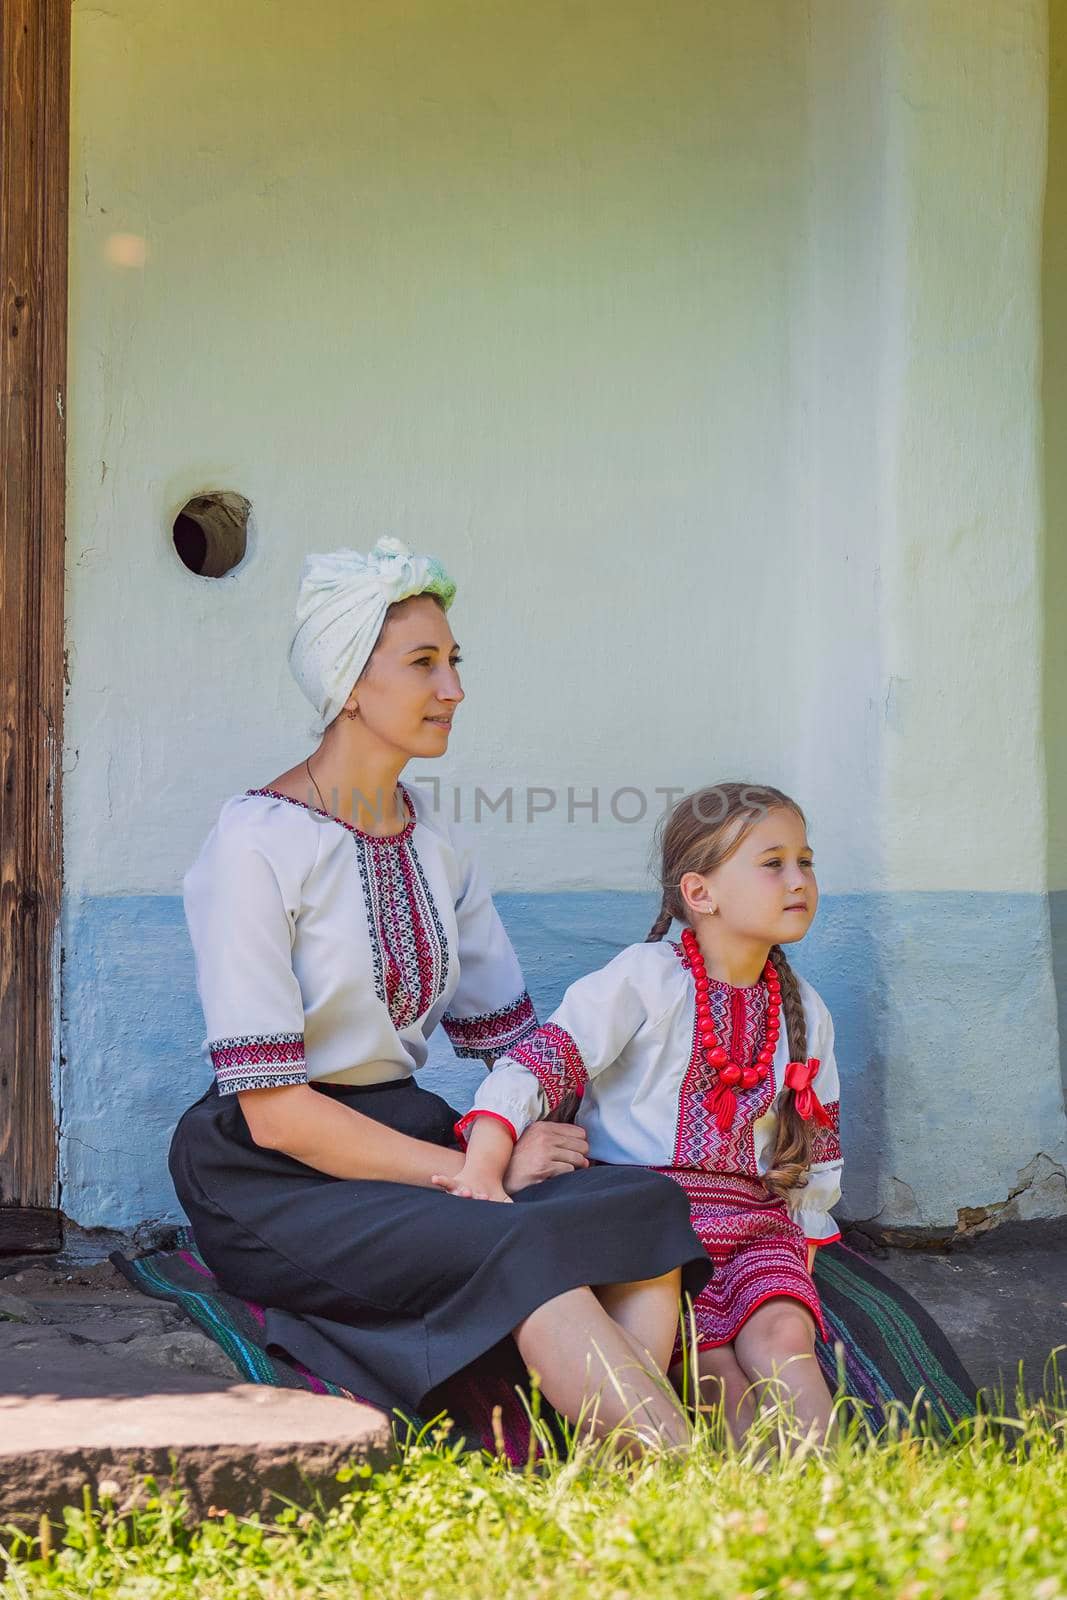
(980, 1515)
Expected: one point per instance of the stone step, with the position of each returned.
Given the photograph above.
(236, 1448)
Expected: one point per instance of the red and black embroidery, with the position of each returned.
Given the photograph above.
(740, 1017)
(259, 1061)
(409, 950)
(555, 1061)
(492, 1033)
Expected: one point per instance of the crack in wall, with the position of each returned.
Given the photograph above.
(1040, 1192)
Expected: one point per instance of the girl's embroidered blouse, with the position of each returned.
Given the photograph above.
(326, 953)
(625, 1040)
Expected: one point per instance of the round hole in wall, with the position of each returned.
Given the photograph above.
(211, 532)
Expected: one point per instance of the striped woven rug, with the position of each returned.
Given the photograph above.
(883, 1346)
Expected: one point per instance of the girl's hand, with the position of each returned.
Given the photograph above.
(811, 1259)
(471, 1184)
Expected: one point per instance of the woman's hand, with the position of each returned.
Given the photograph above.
(811, 1258)
(472, 1183)
(546, 1150)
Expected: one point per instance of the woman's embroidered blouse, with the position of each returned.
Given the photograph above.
(625, 1040)
(323, 952)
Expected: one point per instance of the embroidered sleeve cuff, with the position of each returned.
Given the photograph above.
(832, 1238)
(464, 1125)
(491, 1033)
(826, 1144)
(259, 1061)
(552, 1056)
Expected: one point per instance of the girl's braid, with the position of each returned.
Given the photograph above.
(796, 1026)
(662, 923)
(791, 1157)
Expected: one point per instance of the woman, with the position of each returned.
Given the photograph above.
(335, 923)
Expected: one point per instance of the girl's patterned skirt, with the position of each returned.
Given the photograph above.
(758, 1252)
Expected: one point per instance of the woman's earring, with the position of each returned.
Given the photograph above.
(353, 714)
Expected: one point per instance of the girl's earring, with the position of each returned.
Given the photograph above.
(353, 714)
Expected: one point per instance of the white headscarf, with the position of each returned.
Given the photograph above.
(340, 611)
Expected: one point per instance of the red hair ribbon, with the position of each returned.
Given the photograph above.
(799, 1076)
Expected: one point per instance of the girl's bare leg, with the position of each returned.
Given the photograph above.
(724, 1382)
(776, 1347)
(648, 1311)
(590, 1371)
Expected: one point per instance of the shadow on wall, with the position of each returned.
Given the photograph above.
(1054, 399)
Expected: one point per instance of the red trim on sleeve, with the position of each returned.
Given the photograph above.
(460, 1129)
(833, 1239)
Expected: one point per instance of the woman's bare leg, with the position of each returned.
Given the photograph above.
(723, 1382)
(776, 1348)
(648, 1311)
(590, 1371)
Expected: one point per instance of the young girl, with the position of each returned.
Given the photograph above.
(680, 1062)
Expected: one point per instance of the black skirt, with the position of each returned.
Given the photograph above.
(390, 1289)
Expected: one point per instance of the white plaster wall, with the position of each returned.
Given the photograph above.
(963, 791)
(701, 342)
(917, 436)
(841, 338)
(1054, 395)
(705, 353)
(518, 284)
(964, 780)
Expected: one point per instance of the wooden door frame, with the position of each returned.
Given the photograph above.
(34, 162)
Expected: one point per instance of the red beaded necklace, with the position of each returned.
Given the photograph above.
(730, 1075)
